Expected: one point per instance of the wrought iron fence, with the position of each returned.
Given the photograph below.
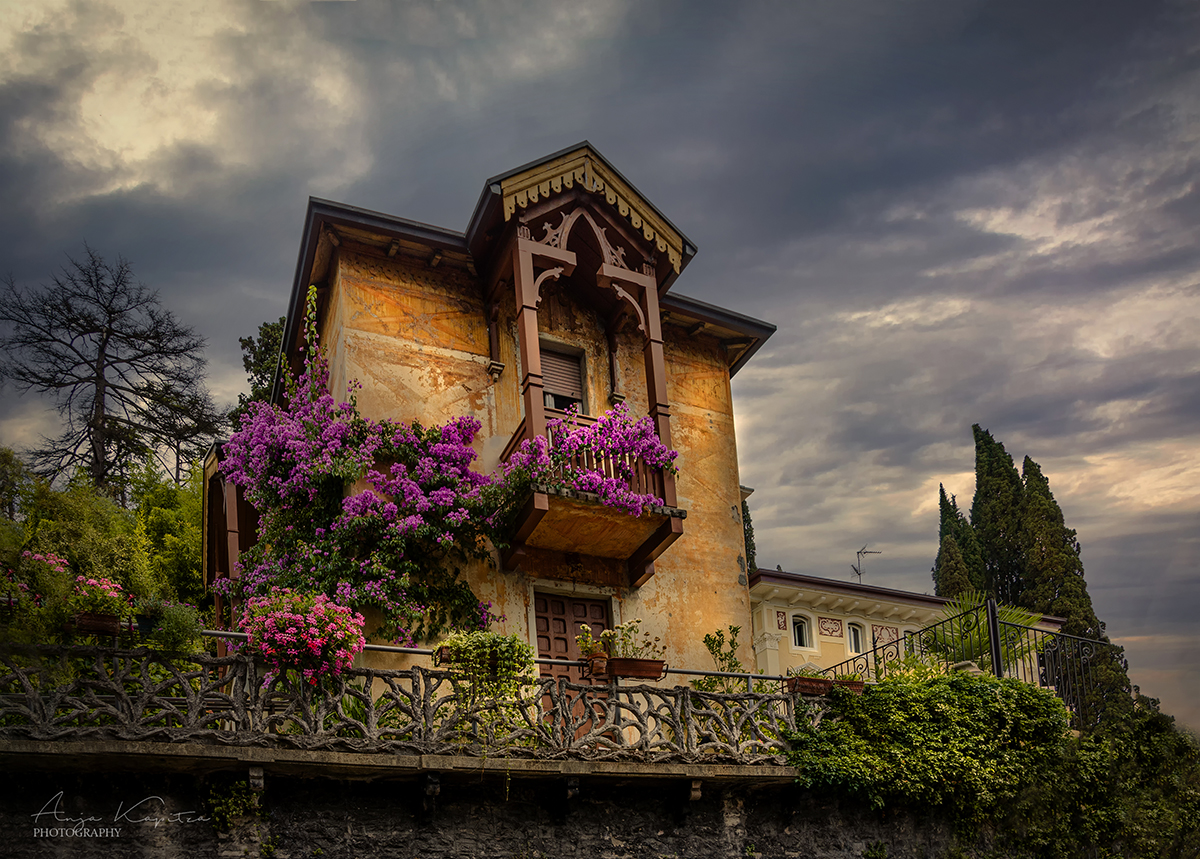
(88, 692)
(1067, 665)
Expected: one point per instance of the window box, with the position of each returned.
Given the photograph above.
(809, 685)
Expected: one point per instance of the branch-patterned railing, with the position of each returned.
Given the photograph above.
(75, 693)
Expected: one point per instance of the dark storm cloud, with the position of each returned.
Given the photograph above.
(939, 203)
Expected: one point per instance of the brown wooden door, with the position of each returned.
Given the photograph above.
(558, 619)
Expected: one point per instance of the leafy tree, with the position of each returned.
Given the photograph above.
(953, 524)
(170, 516)
(126, 375)
(995, 516)
(748, 534)
(260, 358)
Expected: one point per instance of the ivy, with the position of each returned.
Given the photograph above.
(994, 757)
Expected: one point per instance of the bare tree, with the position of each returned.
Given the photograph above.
(128, 379)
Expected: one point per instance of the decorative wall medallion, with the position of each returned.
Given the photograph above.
(830, 626)
(781, 620)
(885, 634)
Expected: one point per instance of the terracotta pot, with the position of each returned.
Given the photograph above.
(97, 623)
(638, 669)
(853, 686)
(809, 685)
(597, 665)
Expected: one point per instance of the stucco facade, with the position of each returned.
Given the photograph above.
(433, 324)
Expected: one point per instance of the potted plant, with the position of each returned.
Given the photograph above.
(631, 652)
(147, 612)
(592, 652)
(97, 604)
(305, 633)
(176, 628)
(488, 656)
(808, 681)
(851, 682)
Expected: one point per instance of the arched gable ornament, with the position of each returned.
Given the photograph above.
(579, 169)
(556, 237)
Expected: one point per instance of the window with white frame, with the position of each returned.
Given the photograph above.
(801, 637)
(855, 637)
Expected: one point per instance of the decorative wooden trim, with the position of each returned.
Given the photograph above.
(580, 168)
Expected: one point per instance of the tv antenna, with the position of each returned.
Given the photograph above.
(858, 568)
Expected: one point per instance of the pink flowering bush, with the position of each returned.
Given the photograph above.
(616, 437)
(306, 633)
(100, 595)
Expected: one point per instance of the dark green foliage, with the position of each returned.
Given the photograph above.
(260, 359)
(954, 524)
(994, 757)
(995, 517)
(170, 517)
(1052, 578)
(955, 743)
(748, 531)
(953, 578)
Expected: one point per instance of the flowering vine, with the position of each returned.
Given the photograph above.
(422, 512)
(616, 439)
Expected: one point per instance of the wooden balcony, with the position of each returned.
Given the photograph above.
(568, 521)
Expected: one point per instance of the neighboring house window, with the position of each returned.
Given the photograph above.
(562, 378)
(855, 634)
(800, 636)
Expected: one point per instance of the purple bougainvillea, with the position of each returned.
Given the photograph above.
(420, 513)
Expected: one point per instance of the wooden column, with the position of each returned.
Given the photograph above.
(525, 285)
(656, 379)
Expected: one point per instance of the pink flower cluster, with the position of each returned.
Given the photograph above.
(615, 441)
(309, 634)
(99, 594)
(59, 565)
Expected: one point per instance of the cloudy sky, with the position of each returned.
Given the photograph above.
(955, 212)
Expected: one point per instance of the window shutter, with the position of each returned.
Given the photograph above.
(562, 374)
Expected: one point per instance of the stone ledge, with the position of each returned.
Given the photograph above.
(117, 755)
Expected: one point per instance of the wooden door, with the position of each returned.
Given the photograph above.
(558, 618)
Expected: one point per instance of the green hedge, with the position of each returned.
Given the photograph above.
(995, 758)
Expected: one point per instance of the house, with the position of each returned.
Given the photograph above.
(800, 620)
(561, 292)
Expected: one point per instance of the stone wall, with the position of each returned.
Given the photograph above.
(467, 815)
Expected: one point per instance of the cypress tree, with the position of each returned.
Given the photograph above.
(953, 578)
(954, 524)
(1052, 583)
(995, 517)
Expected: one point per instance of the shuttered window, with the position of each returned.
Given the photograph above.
(562, 376)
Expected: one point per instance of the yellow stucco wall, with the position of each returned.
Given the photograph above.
(416, 340)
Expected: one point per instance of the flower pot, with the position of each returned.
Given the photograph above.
(809, 685)
(637, 669)
(596, 665)
(146, 624)
(97, 623)
(855, 687)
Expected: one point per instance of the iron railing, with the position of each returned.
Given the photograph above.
(1067, 665)
(51, 692)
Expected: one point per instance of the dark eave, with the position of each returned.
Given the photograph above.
(754, 330)
(323, 213)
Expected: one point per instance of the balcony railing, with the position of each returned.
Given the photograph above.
(1067, 665)
(53, 693)
(645, 478)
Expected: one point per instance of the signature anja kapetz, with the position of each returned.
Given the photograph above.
(150, 809)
